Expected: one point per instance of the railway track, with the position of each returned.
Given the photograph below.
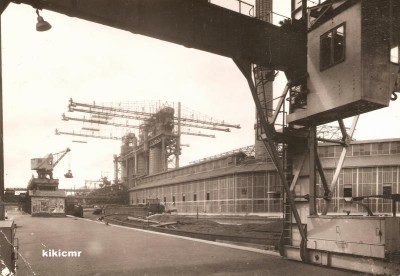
(270, 241)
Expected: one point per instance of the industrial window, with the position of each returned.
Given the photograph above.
(380, 148)
(332, 48)
(165, 199)
(183, 198)
(173, 199)
(395, 148)
(365, 149)
(194, 197)
(347, 190)
(328, 151)
(208, 196)
(244, 191)
(387, 190)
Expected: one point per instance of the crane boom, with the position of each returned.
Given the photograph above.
(139, 115)
(87, 135)
(101, 122)
(61, 157)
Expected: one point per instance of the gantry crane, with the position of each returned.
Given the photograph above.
(316, 48)
(159, 133)
(112, 112)
(124, 125)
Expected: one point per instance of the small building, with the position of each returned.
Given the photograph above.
(47, 203)
(44, 198)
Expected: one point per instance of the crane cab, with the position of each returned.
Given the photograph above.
(352, 60)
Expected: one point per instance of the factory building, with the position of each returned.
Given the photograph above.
(237, 183)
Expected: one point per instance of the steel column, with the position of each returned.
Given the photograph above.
(312, 174)
(2, 210)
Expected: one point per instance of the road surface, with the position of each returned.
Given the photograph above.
(114, 250)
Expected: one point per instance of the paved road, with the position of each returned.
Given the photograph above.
(112, 250)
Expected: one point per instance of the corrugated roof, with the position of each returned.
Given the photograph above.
(356, 142)
(256, 167)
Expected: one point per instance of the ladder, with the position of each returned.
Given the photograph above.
(262, 79)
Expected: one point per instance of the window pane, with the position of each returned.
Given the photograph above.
(326, 42)
(338, 45)
(332, 47)
(394, 54)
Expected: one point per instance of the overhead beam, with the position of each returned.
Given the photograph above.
(191, 23)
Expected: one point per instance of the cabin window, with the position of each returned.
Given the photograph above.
(394, 54)
(332, 48)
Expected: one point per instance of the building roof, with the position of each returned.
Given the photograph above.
(243, 168)
(356, 142)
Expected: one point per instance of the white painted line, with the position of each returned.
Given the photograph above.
(256, 250)
(96, 221)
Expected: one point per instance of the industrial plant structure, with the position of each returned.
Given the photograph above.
(341, 59)
(238, 183)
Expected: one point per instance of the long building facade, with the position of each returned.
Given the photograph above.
(240, 184)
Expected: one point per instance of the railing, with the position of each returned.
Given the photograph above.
(242, 7)
(249, 151)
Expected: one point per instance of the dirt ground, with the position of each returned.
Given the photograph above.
(206, 225)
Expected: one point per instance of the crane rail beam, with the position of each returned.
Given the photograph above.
(198, 134)
(140, 117)
(68, 118)
(192, 23)
(137, 115)
(87, 135)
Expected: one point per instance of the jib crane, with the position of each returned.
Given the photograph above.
(44, 166)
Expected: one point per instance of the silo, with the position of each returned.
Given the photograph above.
(141, 164)
(264, 87)
(155, 162)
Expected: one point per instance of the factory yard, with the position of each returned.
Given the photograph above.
(116, 250)
(257, 232)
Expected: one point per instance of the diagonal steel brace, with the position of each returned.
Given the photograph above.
(245, 67)
(342, 157)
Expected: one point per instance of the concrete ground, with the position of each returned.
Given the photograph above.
(113, 250)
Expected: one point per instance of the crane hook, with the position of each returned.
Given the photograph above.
(394, 96)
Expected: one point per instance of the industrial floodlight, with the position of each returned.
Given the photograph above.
(41, 25)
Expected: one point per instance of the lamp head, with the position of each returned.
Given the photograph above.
(41, 25)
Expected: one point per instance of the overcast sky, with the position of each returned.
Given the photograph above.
(91, 62)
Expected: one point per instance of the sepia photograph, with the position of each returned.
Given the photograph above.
(199, 137)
